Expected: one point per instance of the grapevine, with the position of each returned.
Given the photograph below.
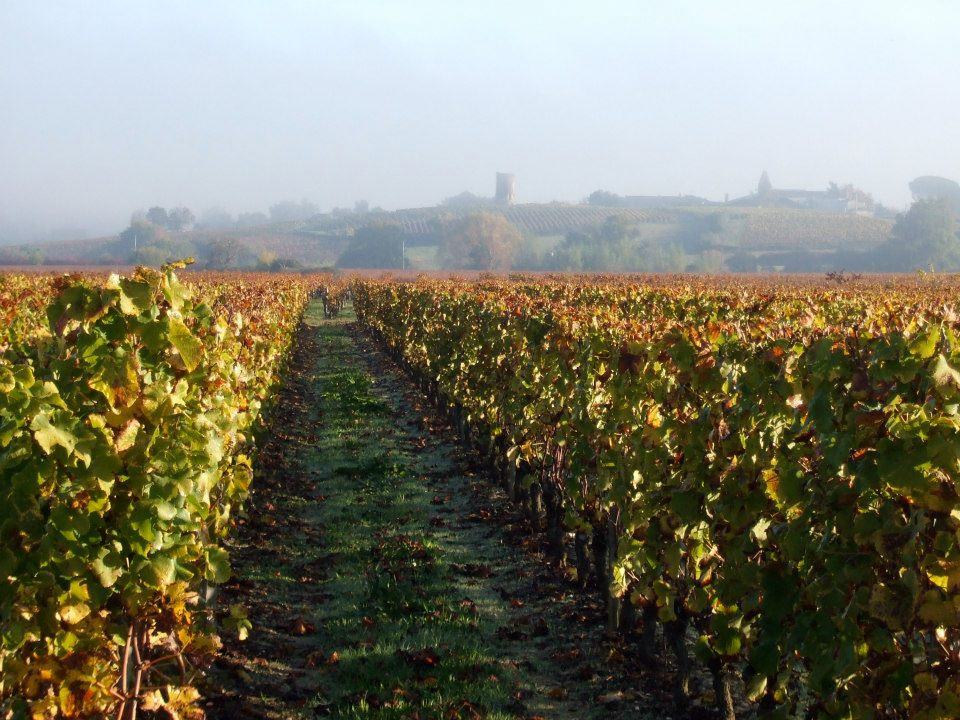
(773, 466)
(127, 417)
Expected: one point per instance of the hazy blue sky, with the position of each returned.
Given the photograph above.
(106, 107)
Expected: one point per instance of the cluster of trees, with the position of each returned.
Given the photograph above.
(175, 219)
(378, 245)
(22, 255)
(931, 187)
(605, 198)
(155, 247)
(287, 211)
(852, 194)
(480, 241)
(148, 240)
(155, 237)
(216, 218)
(466, 201)
(147, 243)
(924, 237)
(615, 246)
(269, 262)
(489, 242)
(225, 253)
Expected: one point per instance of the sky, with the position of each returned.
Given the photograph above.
(109, 107)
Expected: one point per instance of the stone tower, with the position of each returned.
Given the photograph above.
(506, 188)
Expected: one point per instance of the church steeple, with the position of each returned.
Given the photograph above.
(764, 186)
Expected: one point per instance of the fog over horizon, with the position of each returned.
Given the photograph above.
(109, 107)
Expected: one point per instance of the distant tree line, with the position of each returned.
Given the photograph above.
(473, 236)
(22, 255)
(217, 218)
(157, 236)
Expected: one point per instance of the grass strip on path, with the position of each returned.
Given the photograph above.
(377, 586)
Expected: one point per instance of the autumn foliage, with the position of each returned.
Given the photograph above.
(773, 465)
(128, 410)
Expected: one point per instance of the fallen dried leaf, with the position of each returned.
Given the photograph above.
(302, 627)
(420, 658)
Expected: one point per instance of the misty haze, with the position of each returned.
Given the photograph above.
(737, 138)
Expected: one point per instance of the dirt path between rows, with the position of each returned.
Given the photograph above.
(386, 577)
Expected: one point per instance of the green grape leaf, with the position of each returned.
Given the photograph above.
(924, 344)
(107, 567)
(135, 296)
(218, 565)
(164, 569)
(189, 348)
(945, 378)
(166, 511)
(48, 435)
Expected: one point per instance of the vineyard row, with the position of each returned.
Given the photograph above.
(129, 409)
(773, 470)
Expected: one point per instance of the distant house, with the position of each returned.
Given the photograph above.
(836, 198)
